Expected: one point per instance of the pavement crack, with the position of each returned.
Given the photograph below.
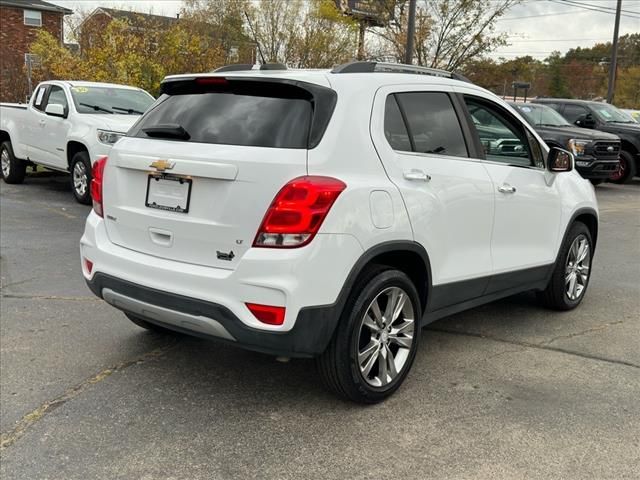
(30, 419)
(51, 297)
(541, 346)
(584, 332)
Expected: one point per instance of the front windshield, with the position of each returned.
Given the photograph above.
(609, 113)
(107, 100)
(541, 115)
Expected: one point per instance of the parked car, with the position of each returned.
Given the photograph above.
(634, 114)
(596, 152)
(607, 118)
(66, 126)
(332, 214)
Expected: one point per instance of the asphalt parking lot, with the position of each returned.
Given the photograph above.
(507, 391)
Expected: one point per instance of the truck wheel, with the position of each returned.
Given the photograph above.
(626, 170)
(81, 177)
(596, 181)
(13, 169)
(572, 271)
(376, 341)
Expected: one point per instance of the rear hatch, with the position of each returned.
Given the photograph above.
(194, 177)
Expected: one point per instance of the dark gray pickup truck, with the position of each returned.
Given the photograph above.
(605, 118)
(596, 152)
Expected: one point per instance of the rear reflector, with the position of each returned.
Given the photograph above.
(88, 265)
(97, 174)
(297, 212)
(267, 313)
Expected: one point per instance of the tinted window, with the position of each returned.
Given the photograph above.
(573, 112)
(432, 123)
(56, 95)
(540, 115)
(394, 127)
(235, 119)
(502, 136)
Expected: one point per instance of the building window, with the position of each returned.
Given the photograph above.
(33, 18)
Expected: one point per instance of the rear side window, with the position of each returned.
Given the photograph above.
(247, 113)
(574, 112)
(432, 123)
(394, 128)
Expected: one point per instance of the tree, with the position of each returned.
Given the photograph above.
(140, 56)
(449, 33)
(224, 20)
(628, 87)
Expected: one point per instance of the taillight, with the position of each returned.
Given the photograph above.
(97, 174)
(297, 212)
(268, 314)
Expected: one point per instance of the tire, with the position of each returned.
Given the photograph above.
(150, 326)
(562, 294)
(13, 170)
(80, 170)
(596, 181)
(338, 366)
(626, 170)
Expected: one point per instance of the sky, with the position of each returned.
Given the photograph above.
(535, 27)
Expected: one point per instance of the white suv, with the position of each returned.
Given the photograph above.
(332, 214)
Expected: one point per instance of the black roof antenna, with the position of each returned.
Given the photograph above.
(255, 38)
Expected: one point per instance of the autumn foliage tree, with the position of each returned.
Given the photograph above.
(140, 56)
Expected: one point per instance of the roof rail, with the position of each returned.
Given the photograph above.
(371, 67)
(242, 67)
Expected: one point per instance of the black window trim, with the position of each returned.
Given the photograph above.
(503, 112)
(462, 121)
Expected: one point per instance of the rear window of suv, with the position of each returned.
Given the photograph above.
(246, 113)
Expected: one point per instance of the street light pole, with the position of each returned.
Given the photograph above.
(411, 27)
(614, 55)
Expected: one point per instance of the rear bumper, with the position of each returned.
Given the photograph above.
(309, 337)
(208, 301)
(590, 167)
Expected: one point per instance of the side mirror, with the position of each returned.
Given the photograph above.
(586, 121)
(559, 160)
(55, 110)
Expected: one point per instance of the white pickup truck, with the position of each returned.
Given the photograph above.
(66, 126)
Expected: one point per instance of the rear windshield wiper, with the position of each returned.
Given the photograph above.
(130, 111)
(169, 130)
(96, 107)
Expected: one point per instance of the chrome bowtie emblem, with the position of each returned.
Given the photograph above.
(162, 165)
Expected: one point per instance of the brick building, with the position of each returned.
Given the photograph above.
(20, 22)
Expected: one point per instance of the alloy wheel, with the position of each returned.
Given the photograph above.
(5, 162)
(385, 337)
(80, 179)
(577, 267)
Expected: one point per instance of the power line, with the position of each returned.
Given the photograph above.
(591, 9)
(560, 40)
(542, 15)
(582, 4)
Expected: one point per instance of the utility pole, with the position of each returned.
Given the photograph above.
(614, 55)
(411, 30)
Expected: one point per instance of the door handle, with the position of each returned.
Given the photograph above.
(416, 175)
(42, 122)
(506, 188)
